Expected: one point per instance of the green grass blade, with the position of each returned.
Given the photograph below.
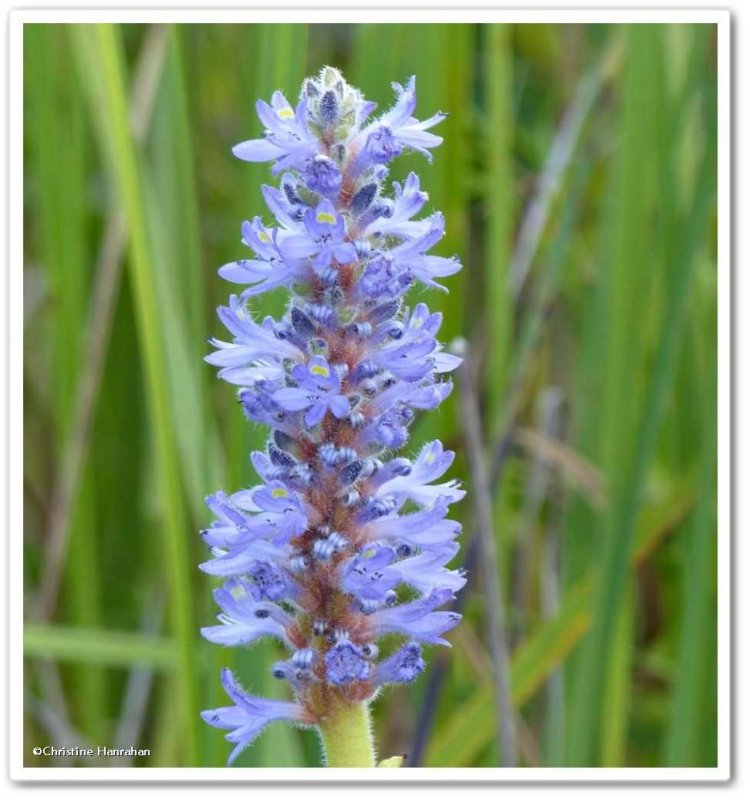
(629, 440)
(693, 688)
(98, 646)
(470, 728)
(694, 692)
(172, 163)
(499, 222)
(100, 48)
(60, 245)
(615, 554)
(618, 685)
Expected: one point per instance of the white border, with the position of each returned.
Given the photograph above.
(340, 12)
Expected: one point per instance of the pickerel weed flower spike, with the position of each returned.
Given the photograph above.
(344, 542)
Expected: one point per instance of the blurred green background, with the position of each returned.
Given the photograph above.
(577, 177)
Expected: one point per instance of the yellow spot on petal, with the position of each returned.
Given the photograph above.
(238, 592)
(319, 369)
(279, 492)
(368, 553)
(285, 113)
(264, 237)
(325, 216)
(429, 458)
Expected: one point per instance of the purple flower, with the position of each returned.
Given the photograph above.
(269, 581)
(345, 663)
(397, 128)
(404, 666)
(426, 571)
(287, 139)
(425, 529)
(429, 465)
(322, 239)
(368, 575)
(322, 175)
(317, 391)
(321, 554)
(255, 353)
(239, 540)
(417, 619)
(408, 201)
(411, 255)
(270, 269)
(381, 146)
(378, 569)
(249, 715)
(243, 620)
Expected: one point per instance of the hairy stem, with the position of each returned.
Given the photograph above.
(347, 737)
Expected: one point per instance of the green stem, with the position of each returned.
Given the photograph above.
(347, 737)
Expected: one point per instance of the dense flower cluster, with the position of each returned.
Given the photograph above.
(343, 542)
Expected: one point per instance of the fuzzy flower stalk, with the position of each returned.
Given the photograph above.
(340, 553)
